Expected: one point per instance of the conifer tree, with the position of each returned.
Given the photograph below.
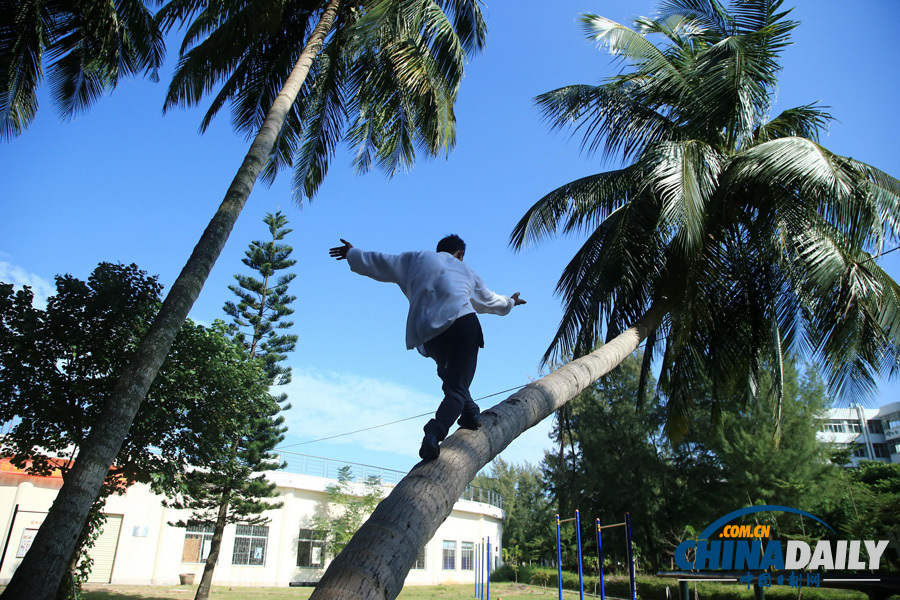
(264, 302)
(225, 490)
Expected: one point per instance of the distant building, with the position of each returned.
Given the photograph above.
(138, 546)
(874, 433)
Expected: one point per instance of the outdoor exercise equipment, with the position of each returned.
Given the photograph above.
(631, 572)
(483, 570)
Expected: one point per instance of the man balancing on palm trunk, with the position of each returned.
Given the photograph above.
(444, 294)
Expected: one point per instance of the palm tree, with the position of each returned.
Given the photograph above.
(750, 237)
(418, 50)
(731, 240)
(87, 47)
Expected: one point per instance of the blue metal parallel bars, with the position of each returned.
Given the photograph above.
(481, 573)
(559, 557)
(630, 556)
(487, 580)
(580, 566)
(600, 560)
(477, 550)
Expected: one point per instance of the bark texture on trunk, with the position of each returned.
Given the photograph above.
(38, 577)
(375, 563)
(215, 545)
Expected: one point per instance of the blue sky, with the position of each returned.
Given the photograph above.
(125, 183)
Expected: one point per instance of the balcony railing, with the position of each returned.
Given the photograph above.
(317, 466)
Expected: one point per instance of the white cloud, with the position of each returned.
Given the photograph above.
(40, 287)
(328, 404)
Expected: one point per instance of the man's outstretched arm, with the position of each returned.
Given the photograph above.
(389, 268)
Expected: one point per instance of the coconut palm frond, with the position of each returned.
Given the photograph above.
(577, 206)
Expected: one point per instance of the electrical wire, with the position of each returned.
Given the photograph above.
(331, 437)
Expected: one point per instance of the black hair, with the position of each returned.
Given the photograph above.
(451, 244)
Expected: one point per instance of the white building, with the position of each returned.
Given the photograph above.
(138, 546)
(875, 432)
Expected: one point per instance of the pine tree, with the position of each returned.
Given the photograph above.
(264, 302)
(224, 490)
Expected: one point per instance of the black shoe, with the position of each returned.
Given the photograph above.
(430, 449)
(473, 422)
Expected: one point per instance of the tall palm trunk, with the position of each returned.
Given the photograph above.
(375, 563)
(42, 569)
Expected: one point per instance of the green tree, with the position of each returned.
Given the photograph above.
(396, 64)
(619, 461)
(87, 48)
(737, 238)
(883, 482)
(861, 503)
(349, 503)
(529, 516)
(263, 303)
(228, 485)
(226, 482)
(624, 463)
(58, 367)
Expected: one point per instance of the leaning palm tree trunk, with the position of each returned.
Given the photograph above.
(39, 574)
(375, 563)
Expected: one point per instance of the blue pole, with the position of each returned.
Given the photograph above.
(580, 567)
(559, 556)
(487, 580)
(630, 556)
(481, 572)
(477, 574)
(600, 560)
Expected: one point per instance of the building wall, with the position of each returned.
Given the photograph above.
(874, 431)
(150, 551)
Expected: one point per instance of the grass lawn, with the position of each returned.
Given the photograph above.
(653, 589)
(176, 592)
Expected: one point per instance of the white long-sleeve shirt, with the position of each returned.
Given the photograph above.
(440, 289)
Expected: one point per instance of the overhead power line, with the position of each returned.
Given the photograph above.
(331, 437)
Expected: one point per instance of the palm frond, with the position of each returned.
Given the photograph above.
(468, 23)
(684, 175)
(323, 123)
(25, 30)
(609, 278)
(580, 205)
(803, 121)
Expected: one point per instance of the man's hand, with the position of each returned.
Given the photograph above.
(515, 298)
(340, 252)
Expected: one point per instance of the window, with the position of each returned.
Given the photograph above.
(449, 558)
(311, 549)
(881, 450)
(875, 426)
(467, 556)
(420, 560)
(895, 448)
(834, 426)
(860, 451)
(250, 545)
(853, 427)
(197, 539)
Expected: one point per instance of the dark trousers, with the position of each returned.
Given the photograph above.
(456, 353)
